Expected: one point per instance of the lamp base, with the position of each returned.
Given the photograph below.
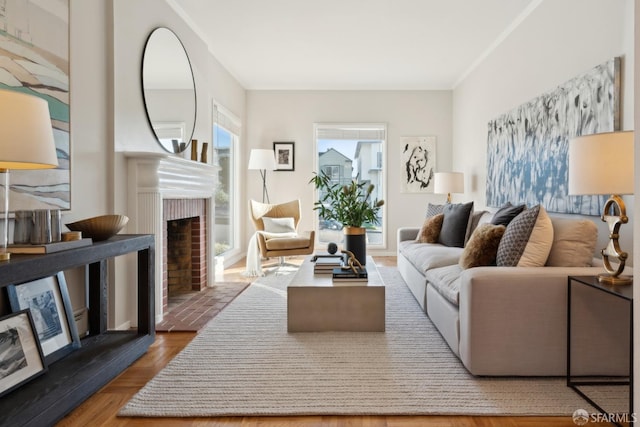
(609, 279)
(5, 256)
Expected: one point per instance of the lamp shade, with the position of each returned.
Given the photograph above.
(26, 136)
(448, 182)
(262, 159)
(601, 164)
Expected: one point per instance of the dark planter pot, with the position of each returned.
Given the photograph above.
(355, 240)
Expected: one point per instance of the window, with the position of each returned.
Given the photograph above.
(347, 152)
(226, 130)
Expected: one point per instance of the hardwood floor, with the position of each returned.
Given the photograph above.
(101, 409)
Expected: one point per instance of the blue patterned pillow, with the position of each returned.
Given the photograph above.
(527, 240)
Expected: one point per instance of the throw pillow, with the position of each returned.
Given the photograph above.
(527, 240)
(507, 213)
(430, 229)
(574, 242)
(433, 210)
(278, 225)
(482, 247)
(455, 224)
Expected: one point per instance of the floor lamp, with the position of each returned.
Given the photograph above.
(262, 160)
(602, 164)
(26, 142)
(447, 183)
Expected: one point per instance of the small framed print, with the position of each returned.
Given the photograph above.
(285, 155)
(21, 357)
(48, 300)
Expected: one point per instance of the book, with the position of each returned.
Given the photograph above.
(49, 248)
(326, 264)
(341, 274)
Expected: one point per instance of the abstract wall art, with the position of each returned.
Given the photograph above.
(34, 59)
(527, 147)
(418, 164)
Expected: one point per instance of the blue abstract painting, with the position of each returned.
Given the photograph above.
(527, 147)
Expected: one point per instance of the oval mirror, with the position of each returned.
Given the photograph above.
(168, 89)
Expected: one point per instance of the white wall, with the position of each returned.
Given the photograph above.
(290, 115)
(557, 41)
(107, 110)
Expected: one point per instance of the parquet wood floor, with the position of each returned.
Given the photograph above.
(101, 409)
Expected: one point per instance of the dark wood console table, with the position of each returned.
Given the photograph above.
(103, 354)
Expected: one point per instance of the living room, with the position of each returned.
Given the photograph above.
(553, 42)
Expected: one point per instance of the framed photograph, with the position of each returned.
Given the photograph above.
(418, 163)
(48, 300)
(285, 156)
(21, 357)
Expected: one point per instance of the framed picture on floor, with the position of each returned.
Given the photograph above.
(48, 300)
(285, 156)
(21, 357)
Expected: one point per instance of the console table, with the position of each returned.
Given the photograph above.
(103, 354)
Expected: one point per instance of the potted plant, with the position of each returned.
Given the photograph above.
(351, 206)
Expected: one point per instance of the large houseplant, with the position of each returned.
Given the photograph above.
(350, 205)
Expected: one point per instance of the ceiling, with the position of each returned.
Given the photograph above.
(352, 44)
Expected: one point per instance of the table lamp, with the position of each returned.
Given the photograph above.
(26, 142)
(262, 160)
(602, 164)
(447, 183)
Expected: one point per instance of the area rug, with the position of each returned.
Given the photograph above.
(245, 363)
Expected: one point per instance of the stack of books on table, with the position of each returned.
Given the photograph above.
(349, 276)
(324, 264)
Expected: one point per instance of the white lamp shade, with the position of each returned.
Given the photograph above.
(262, 159)
(448, 182)
(26, 136)
(601, 164)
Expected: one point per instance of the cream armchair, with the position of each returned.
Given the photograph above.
(279, 221)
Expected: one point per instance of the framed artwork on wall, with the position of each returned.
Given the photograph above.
(285, 155)
(527, 147)
(50, 305)
(35, 58)
(418, 164)
(21, 357)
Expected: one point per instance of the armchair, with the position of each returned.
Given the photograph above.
(290, 243)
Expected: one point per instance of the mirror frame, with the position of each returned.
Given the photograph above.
(188, 134)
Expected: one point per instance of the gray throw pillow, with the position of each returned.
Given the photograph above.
(507, 213)
(433, 210)
(455, 224)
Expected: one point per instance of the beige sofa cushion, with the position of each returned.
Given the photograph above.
(446, 280)
(425, 256)
(574, 242)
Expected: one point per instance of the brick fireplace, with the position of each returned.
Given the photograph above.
(164, 188)
(184, 266)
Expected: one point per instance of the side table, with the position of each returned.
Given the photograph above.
(624, 292)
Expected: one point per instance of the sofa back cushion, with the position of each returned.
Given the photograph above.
(527, 240)
(574, 242)
(455, 224)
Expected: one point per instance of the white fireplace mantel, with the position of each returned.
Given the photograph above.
(153, 177)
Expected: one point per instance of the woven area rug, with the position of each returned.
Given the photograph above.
(245, 363)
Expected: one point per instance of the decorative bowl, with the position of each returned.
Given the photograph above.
(99, 227)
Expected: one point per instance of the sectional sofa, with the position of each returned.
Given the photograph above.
(512, 320)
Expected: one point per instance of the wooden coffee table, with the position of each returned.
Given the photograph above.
(316, 304)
